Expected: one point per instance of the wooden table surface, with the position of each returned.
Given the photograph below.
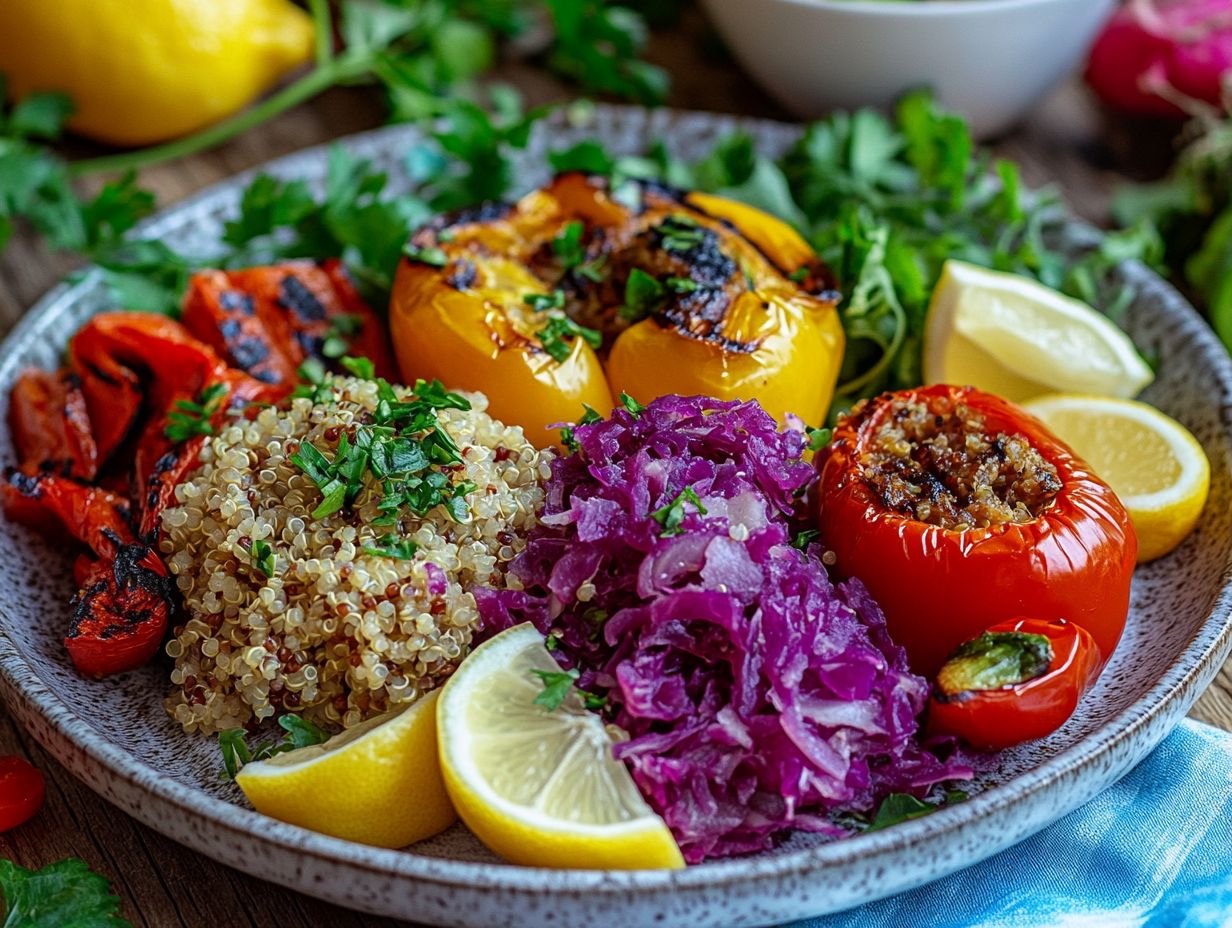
(1066, 142)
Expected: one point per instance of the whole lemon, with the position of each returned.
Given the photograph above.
(143, 71)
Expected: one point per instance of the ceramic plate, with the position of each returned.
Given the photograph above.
(115, 736)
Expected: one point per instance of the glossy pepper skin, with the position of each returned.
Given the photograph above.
(746, 309)
(22, 790)
(941, 587)
(992, 720)
(96, 464)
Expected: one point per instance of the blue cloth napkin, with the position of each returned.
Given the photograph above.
(1153, 851)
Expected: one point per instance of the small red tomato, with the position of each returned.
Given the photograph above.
(21, 791)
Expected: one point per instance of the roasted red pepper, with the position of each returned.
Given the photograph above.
(942, 583)
(99, 450)
(1018, 681)
(268, 320)
(22, 790)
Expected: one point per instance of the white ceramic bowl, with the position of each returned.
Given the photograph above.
(989, 59)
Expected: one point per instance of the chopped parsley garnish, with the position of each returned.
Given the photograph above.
(189, 418)
(680, 233)
(363, 368)
(681, 284)
(316, 384)
(556, 686)
(819, 438)
(671, 516)
(594, 270)
(568, 245)
(572, 253)
(342, 328)
(392, 546)
(643, 293)
(540, 302)
(805, 538)
(300, 733)
(404, 447)
(263, 557)
(434, 257)
(555, 337)
(632, 406)
(589, 416)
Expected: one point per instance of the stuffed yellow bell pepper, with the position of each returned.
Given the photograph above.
(582, 291)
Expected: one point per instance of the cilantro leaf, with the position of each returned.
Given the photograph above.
(671, 516)
(392, 546)
(363, 368)
(556, 686)
(597, 45)
(541, 302)
(804, 538)
(567, 245)
(233, 743)
(819, 438)
(643, 293)
(189, 419)
(64, 894)
(559, 331)
(263, 557)
(897, 808)
(632, 406)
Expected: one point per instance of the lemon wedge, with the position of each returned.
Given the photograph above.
(1154, 464)
(540, 786)
(378, 783)
(1013, 336)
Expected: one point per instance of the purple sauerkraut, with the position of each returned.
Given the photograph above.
(758, 696)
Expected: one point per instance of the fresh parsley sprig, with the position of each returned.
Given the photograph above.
(557, 334)
(64, 893)
(300, 733)
(190, 419)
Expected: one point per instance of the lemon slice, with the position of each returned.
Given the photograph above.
(540, 787)
(1154, 464)
(1013, 336)
(377, 783)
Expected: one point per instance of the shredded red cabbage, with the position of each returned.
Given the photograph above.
(758, 696)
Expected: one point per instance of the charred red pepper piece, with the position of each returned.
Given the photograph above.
(269, 320)
(136, 363)
(120, 613)
(99, 518)
(1018, 681)
(939, 586)
(126, 596)
(50, 425)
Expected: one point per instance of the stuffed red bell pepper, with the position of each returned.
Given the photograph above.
(959, 510)
(1017, 681)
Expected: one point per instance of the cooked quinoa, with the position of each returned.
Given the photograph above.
(335, 633)
(939, 465)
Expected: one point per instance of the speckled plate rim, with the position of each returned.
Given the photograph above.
(1123, 739)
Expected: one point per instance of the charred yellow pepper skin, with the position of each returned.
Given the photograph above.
(793, 370)
(477, 340)
(743, 307)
